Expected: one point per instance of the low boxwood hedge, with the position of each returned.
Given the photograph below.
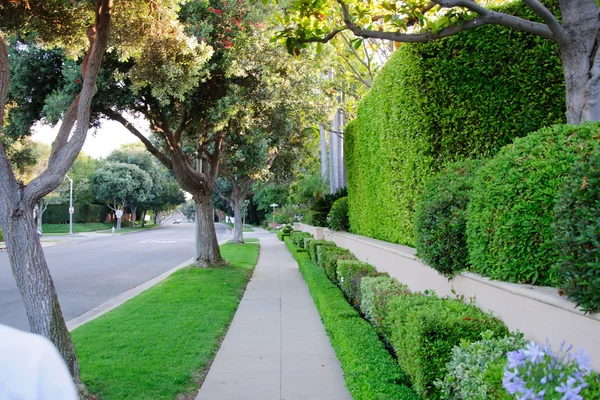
(577, 233)
(369, 370)
(423, 329)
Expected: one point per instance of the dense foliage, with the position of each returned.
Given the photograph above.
(338, 215)
(369, 370)
(423, 329)
(298, 237)
(313, 246)
(349, 275)
(435, 103)
(510, 213)
(328, 261)
(84, 213)
(577, 232)
(319, 210)
(440, 217)
(376, 293)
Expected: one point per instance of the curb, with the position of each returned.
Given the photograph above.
(123, 297)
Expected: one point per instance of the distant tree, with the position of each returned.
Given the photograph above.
(120, 185)
(165, 193)
(189, 210)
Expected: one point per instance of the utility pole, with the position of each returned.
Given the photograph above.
(71, 209)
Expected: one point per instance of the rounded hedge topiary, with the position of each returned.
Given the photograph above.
(338, 216)
(510, 213)
(440, 217)
(577, 232)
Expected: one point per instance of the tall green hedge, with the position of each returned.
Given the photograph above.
(84, 213)
(434, 103)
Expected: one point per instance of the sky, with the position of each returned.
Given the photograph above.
(99, 142)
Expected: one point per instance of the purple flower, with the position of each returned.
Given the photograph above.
(534, 353)
(584, 360)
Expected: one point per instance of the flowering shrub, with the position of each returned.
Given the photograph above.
(469, 363)
(376, 293)
(537, 372)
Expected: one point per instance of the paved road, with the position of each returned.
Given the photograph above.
(89, 271)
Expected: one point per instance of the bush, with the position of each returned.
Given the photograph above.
(287, 229)
(1, 236)
(434, 103)
(280, 235)
(338, 216)
(440, 218)
(298, 237)
(370, 371)
(319, 210)
(313, 245)
(349, 275)
(376, 293)
(493, 380)
(329, 260)
(84, 213)
(577, 233)
(423, 329)
(468, 365)
(509, 216)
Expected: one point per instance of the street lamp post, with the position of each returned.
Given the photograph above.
(274, 205)
(71, 210)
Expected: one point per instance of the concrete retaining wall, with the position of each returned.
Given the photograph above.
(538, 312)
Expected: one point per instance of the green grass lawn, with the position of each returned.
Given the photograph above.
(246, 227)
(159, 343)
(63, 229)
(51, 229)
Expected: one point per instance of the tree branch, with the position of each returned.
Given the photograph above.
(8, 183)
(115, 116)
(548, 18)
(486, 17)
(60, 164)
(65, 129)
(326, 39)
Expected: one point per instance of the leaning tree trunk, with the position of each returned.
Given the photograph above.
(144, 218)
(35, 284)
(208, 253)
(238, 226)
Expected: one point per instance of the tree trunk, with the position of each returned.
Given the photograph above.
(238, 226)
(133, 210)
(35, 284)
(144, 218)
(581, 60)
(208, 253)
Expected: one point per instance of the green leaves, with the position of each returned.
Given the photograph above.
(510, 212)
(121, 184)
(440, 217)
(577, 232)
(433, 104)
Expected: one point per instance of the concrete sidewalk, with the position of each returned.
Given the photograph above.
(276, 347)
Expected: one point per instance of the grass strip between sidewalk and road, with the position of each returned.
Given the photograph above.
(51, 229)
(160, 344)
(369, 370)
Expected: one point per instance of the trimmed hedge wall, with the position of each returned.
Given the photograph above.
(84, 213)
(465, 96)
